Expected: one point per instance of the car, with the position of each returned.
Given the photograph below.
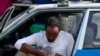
(81, 19)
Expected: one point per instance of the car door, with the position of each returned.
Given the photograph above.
(90, 42)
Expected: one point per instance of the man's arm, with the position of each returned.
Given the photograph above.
(70, 45)
(28, 49)
(25, 44)
(57, 54)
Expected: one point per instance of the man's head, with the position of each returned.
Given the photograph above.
(52, 28)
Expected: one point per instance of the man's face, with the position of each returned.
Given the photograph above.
(52, 33)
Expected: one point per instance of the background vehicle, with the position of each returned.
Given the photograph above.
(75, 18)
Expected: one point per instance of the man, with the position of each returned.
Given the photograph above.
(52, 41)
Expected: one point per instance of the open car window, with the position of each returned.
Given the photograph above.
(69, 21)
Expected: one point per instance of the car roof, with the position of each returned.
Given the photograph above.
(83, 4)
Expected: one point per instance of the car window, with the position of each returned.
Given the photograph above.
(69, 21)
(92, 34)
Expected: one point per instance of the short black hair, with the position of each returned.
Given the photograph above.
(52, 21)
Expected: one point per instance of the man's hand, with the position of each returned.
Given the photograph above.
(42, 54)
(27, 49)
(57, 54)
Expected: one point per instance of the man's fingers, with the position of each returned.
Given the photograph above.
(58, 54)
(45, 54)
